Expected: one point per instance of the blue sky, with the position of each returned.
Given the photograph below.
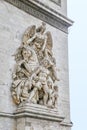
(77, 11)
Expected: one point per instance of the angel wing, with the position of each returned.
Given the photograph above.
(29, 33)
(49, 43)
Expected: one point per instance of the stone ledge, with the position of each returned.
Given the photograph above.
(66, 124)
(44, 13)
(25, 114)
(38, 111)
(39, 116)
(8, 115)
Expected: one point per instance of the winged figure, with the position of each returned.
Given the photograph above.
(35, 65)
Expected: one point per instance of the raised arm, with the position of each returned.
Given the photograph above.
(30, 40)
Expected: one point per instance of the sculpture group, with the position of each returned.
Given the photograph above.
(34, 77)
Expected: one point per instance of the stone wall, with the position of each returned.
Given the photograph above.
(13, 23)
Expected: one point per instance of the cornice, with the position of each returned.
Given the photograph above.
(44, 13)
(56, 2)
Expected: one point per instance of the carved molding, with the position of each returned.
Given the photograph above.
(44, 13)
(39, 113)
(58, 2)
(26, 113)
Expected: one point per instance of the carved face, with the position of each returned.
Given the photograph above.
(50, 84)
(42, 28)
(38, 45)
(46, 63)
(26, 54)
(56, 88)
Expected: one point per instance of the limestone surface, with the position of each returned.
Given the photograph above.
(13, 23)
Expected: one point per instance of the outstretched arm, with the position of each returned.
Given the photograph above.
(45, 42)
(30, 40)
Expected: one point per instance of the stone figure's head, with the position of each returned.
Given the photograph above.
(26, 53)
(38, 45)
(55, 88)
(45, 63)
(50, 83)
(42, 28)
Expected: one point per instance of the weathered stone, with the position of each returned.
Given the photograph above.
(15, 17)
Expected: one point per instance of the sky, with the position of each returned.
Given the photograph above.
(77, 11)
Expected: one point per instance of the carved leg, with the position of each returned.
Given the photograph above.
(45, 98)
(32, 94)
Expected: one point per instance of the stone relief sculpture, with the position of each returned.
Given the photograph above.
(34, 77)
